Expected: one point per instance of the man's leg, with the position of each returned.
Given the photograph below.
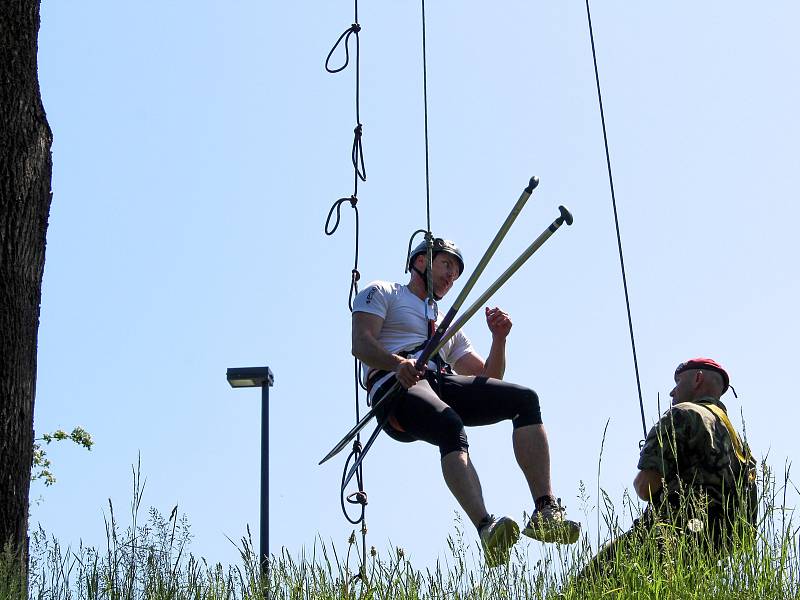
(603, 563)
(424, 416)
(482, 401)
(636, 544)
(533, 457)
(462, 479)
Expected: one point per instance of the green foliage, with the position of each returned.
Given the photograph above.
(42, 465)
(149, 560)
(12, 575)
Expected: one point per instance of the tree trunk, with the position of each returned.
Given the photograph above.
(25, 172)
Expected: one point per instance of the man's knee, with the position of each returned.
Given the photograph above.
(452, 436)
(528, 409)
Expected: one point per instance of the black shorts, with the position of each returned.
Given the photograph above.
(437, 409)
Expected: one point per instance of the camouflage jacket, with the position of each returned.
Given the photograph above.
(693, 451)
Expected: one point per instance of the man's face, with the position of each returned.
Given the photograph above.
(684, 389)
(444, 271)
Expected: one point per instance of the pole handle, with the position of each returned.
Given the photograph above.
(429, 351)
(564, 217)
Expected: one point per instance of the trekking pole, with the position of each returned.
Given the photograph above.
(565, 216)
(440, 330)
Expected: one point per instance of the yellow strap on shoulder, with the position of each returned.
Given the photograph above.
(737, 443)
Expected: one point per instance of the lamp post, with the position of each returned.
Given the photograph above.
(262, 377)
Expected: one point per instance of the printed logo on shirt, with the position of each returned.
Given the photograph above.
(371, 293)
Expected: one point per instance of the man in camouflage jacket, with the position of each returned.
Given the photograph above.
(696, 474)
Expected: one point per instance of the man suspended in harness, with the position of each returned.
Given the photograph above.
(391, 322)
(695, 472)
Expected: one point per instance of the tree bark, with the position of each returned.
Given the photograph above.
(25, 193)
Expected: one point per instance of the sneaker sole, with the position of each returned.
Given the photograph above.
(505, 536)
(566, 534)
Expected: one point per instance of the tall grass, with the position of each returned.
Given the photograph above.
(149, 559)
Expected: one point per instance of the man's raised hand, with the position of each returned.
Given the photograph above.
(498, 321)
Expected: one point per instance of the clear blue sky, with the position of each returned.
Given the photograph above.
(199, 145)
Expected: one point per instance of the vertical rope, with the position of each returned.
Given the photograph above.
(428, 234)
(616, 219)
(359, 173)
(425, 102)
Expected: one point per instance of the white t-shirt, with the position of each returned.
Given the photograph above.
(405, 319)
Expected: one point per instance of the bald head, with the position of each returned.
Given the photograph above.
(692, 384)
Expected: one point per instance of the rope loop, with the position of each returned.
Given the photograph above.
(355, 497)
(355, 28)
(337, 206)
(357, 154)
(410, 242)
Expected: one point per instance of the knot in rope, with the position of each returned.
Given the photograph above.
(359, 497)
(353, 201)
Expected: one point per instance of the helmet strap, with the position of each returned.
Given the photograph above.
(425, 276)
(429, 255)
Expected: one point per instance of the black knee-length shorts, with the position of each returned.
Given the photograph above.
(437, 408)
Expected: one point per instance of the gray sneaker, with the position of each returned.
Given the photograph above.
(498, 536)
(549, 525)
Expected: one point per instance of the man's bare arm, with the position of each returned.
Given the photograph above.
(647, 484)
(495, 365)
(367, 349)
(469, 364)
(473, 364)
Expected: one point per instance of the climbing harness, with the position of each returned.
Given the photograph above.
(359, 174)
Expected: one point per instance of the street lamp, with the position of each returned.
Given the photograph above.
(241, 377)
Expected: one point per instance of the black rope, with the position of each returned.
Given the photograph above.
(425, 99)
(359, 173)
(616, 220)
(428, 234)
(359, 497)
(354, 274)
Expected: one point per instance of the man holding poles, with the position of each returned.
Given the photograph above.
(391, 324)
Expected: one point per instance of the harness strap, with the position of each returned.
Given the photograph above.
(742, 454)
(442, 368)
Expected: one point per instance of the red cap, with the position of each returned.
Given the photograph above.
(708, 364)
